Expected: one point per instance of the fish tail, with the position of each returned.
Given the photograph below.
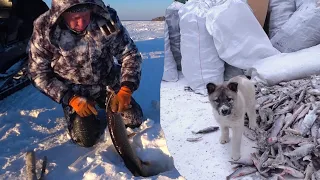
(145, 168)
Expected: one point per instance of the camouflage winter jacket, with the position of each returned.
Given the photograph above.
(60, 59)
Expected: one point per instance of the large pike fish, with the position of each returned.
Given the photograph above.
(118, 134)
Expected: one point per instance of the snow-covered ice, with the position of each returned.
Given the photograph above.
(144, 30)
(31, 121)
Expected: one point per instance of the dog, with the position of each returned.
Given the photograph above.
(230, 102)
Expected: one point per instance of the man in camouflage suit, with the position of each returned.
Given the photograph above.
(71, 61)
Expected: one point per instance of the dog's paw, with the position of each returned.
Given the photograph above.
(224, 140)
(236, 156)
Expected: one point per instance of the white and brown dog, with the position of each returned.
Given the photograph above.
(230, 102)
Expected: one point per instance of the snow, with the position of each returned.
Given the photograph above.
(29, 120)
(144, 30)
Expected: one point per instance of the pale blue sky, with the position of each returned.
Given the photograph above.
(136, 9)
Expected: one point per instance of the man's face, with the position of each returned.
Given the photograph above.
(77, 21)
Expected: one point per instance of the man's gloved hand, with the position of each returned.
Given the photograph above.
(82, 106)
(121, 101)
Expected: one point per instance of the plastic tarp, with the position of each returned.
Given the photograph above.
(241, 41)
(280, 12)
(300, 2)
(287, 66)
(200, 61)
(301, 31)
(172, 58)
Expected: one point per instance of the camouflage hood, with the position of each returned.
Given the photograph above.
(60, 6)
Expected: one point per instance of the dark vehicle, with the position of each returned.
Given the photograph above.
(16, 26)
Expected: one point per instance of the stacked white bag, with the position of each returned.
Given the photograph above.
(238, 36)
(287, 66)
(299, 3)
(280, 12)
(301, 31)
(200, 61)
(172, 54)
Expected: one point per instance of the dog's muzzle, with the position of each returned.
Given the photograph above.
(224, 110)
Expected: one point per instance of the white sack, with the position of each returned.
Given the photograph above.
(170, 71)
(237, 34)
(287, 66)
(200, 61)
(280, 12)
(301, 31)
(172, 20)
(172, 54)
(300, 2)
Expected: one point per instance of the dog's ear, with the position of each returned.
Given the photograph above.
(211, 87)
(233, 86)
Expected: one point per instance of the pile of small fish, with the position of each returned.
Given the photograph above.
(288, 133)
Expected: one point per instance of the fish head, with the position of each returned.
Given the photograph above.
(223, 97)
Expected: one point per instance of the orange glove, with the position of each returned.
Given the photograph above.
(121, 101)
(82, 106)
